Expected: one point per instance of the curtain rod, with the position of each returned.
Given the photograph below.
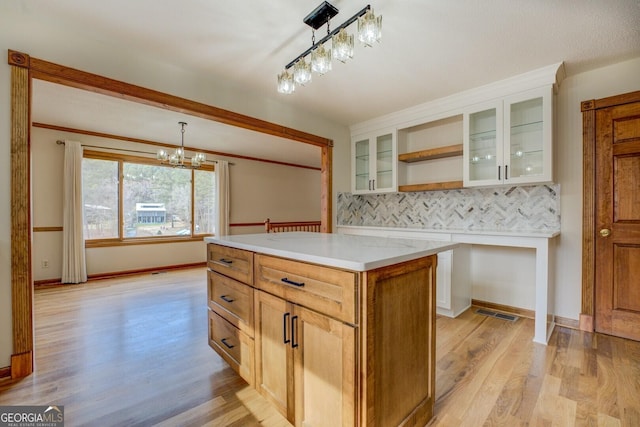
(61, 142)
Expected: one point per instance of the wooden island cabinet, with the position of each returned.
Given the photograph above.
(333, 330)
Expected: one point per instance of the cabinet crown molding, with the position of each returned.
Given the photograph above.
(454, 104)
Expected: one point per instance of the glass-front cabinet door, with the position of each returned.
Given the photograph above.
(362, 177)
(509, 141)
(528, 136)
(385, 162)
(374, 163)
(482, 152)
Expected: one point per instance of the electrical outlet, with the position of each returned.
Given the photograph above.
(45, 263)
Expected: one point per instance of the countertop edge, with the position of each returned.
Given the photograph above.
(334, 262)
(535, 234)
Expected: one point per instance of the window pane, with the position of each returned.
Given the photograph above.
(204, 205)
(100, 196)
(157, 201)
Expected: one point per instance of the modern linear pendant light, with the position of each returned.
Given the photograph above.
(299, 71)
(176, 158)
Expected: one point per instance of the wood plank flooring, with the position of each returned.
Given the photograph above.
(133, 352)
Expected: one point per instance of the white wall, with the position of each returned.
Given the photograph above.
(257, 190)
(607, 81)
(506, 275)
(493, 278)
(21, 31)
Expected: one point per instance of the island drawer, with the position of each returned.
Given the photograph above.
(231, 262)
(327, 290)
(234, 346)
(232, 300)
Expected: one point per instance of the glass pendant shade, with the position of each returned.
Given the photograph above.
(198, 159)
(321, 60)
(342, 45)
(285, 82)
(369, 28)
(162, 155)
(302, 72)
(177, 157)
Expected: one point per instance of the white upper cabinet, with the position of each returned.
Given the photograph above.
(510, 140)
(374, 163)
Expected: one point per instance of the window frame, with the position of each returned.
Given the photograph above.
(121, 240)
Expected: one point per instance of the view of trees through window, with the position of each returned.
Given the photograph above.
(156, 200)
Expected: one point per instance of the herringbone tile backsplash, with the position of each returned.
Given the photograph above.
(521, 208)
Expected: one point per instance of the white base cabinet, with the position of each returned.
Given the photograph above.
(453, 281)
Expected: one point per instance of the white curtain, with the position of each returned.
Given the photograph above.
(221, 224)
(74, 269)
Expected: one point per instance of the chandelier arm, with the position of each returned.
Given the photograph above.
(345, 24)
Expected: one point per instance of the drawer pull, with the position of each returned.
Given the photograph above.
(285, 317)
(294, 344)
(291, 282)
(226, 299)
(224, 341)
(224, 261)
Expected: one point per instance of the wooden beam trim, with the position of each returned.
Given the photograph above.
(162, 144)
(55, 73)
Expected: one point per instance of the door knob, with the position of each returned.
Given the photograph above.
(605, 232)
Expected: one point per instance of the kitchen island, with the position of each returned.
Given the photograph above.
(334, 330)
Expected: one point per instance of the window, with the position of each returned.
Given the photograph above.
(151, 201)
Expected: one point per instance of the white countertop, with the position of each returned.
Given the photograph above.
(356, 253)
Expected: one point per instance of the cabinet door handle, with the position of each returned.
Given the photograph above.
(226, 299)
(224, 341)
(224, 262)
(498, 173)
(291, 282)
(506, 171)
(373, 184)
(285, 323)
(294, 319)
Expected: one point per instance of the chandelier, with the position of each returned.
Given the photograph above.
(177, 158)
(299, 71)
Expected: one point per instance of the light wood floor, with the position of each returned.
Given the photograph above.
(133, 352)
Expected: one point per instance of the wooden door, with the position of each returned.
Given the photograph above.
(274, 360)
(325, 370)
(617, 221)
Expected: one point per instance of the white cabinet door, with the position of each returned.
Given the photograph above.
(510, 141)
(373, 163)
(482, 145)
(528, 136)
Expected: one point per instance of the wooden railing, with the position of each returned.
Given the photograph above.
(276, 227)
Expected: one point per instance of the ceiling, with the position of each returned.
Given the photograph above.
(429, 49)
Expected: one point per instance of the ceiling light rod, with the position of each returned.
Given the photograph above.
(313, 21)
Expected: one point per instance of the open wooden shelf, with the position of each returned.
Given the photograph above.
(431, 186)
(433, 153)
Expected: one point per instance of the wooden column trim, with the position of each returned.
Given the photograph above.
(21, 287)
(326, 190)
(588, 214)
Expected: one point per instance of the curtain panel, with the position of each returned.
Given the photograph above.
(221, 224)
(74, 269)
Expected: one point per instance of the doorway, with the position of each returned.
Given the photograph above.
(611, 228)
(25, 68)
